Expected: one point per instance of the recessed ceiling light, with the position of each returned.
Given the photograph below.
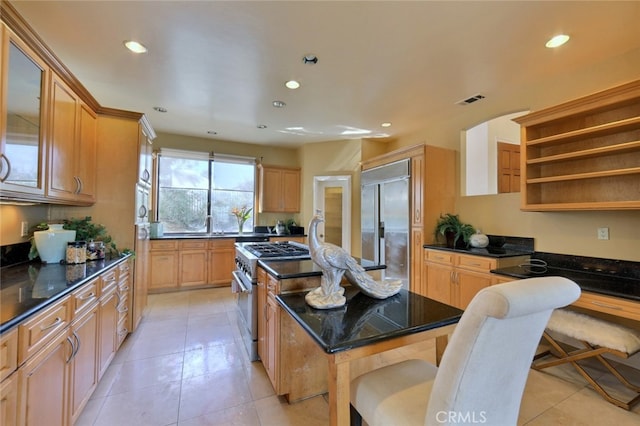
(556, 41)
(310, 59)
(160, 109)
(212, 132)
(262, 126)
(278, 104)
(135, 47)
(292, 84)
(386, 124)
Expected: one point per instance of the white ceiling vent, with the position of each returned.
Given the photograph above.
(470, 100)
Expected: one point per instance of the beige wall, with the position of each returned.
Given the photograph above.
(556, 232)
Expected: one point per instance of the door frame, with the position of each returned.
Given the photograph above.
(343, 181)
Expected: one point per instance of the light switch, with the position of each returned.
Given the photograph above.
(603, 233)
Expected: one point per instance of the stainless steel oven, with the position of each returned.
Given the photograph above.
(244, 283)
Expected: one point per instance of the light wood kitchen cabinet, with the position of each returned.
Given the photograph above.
(44, 384)
(23, 143)
(108, 321)
(35, 332)
(221, 262)
(163, 265)
(73, 147)
(583, 154)
(145, 153)
(279, 189)
(455, 278)
(8, 353)
(83, 364)
(193, 263)
(283, 346)
(9, 401)
(123, 294)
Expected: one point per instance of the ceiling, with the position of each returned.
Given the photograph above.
(218, 66)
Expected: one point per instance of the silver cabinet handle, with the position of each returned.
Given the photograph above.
(81, 187)
(73, 349)
(57, 321)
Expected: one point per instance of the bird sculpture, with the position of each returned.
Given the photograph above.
(335, 263)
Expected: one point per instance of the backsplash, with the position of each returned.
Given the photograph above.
(621, 268)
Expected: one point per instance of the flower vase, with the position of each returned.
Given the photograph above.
(240, 226)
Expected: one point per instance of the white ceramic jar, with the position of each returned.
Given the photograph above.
(52, 243)
(479, 240)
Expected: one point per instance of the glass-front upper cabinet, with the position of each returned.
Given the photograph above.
(23, 96)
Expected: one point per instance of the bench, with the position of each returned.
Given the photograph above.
(598, 337)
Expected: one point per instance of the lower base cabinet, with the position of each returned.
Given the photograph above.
(52, 362)
(44, 389)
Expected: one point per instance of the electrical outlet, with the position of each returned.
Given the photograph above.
(24, 230)
(603, 233)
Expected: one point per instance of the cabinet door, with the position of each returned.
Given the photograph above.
(86, 148)
(141, 276)
(193, 267)
(417, 177)
(291, 191)
(84, 364)
(417, 283)
(108, 320)
(163, 270)
(272, 341)
(9, 401)
(221, 265)
(271, 190)
(468, 284)
(144, 158)
(439, 282)
(63, 182)
(24, 76)
(262, 312)
(43, 384)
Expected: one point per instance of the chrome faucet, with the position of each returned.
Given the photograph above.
(208, 223)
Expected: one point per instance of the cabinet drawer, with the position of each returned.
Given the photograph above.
(164, 245)
(440, 257)
(224, 243)
(273, 285)
(123, 306)
(609, 305)
(477, 263)
(34, 333)
(8, 353)
(84, 296)
(193, 244)
(123, 269)
(108, 280)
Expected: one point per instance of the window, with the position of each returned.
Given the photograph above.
(192, 186)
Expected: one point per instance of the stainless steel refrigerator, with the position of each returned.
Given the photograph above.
(385, 218)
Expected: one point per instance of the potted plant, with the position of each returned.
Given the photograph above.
(456, 232)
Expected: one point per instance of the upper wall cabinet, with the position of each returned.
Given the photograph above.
(583, 154)
(72, 150)
(23, 99)
(279, 189)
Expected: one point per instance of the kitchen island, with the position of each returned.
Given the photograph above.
(367, 326)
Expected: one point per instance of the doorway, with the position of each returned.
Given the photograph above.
(332, 196)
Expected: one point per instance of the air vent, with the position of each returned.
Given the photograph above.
(470, 100)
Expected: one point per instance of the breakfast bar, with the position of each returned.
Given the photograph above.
(367, 326)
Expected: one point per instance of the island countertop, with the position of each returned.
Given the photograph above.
(284, 269)
(364, 320)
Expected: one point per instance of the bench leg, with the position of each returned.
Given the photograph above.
(589, 352)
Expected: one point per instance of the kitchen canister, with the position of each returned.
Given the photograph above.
(479, 240)
(156, 230)
(52, 243)
(76, 252)
(95, 250)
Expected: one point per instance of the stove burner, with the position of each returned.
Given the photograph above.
(283, 249)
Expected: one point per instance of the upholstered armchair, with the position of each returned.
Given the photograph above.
(484, 369)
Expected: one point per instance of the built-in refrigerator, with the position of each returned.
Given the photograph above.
(385, 218)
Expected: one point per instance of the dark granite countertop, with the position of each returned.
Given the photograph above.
(604, 276)
(29, 287)
(497, 252)
(238, 237)
(365, 320)
(283, 269)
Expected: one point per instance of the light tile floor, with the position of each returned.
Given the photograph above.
(186, 365)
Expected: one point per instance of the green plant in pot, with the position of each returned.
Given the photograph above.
(456, 232)
(86, 230)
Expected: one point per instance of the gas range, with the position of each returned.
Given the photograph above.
(247, 254)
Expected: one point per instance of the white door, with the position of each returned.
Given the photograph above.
(332, 196)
